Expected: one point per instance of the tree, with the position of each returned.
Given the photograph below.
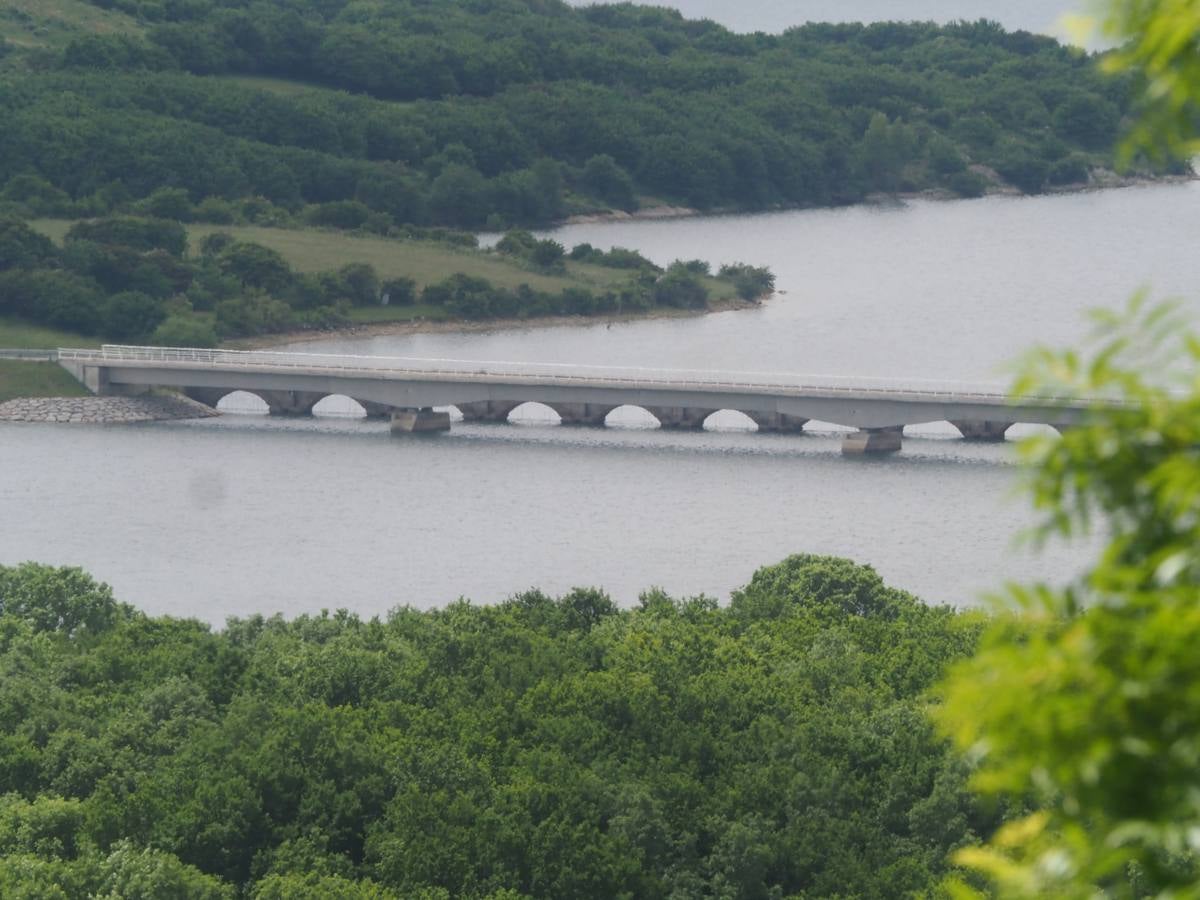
(605, 179)
(132, 315)
(886, 148)
(183, 331)
(1083, 703)
(23, 248)
(61, 600)
(1158, 45)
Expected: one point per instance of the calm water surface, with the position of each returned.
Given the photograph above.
(244, 514)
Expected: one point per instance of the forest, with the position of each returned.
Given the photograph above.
(493, 113)
(774, 746)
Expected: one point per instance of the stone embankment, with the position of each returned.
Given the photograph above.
(103, 410)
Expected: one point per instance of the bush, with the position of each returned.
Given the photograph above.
(256, 266)
(1072, 169)
(605, 179)
(168, 203)
(184, 331)
(23, 248)
(968, 184)
(37, 196)
(344, 214)
(136, 233)
(132, 316)
(517, 242)
(681, 289)
(547, 254)
(750, 282)
(53, 297)
(399, 291)
(256, 314)
(215, 210)
(360, 283)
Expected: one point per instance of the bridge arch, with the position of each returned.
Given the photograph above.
(533, 413)
(238, 402)
(339, 406)
(633, 417)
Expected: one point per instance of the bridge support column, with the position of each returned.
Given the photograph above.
(582, 413)
(489, 411)
(419, 421)
(375, 410)
(873, 441)
(983, 431)
(290, 403)
(680, 418)
(778, 423)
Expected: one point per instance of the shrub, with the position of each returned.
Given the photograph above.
(184, 331)
(399, 291)
(132, 315)
(344, 214)
(968, 184)
(136, 233)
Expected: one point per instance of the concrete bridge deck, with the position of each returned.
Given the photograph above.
(410, 392)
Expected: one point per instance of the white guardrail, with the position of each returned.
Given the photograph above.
(556, 373)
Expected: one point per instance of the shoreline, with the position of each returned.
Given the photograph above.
(421, 326)
(103, 410)
(1099, 180)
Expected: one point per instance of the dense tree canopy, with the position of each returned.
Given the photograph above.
(516, 111)
(537, 748)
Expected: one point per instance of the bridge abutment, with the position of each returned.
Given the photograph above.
(680, 418)
(207, 396)
(983, 431)
(778, 423)
(419, 421)
(592, 414)
(489, 411)
(873, 441)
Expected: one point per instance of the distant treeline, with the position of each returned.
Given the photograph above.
(495, 112)
(130, 279)
(539, 748)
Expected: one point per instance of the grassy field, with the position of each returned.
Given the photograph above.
(30, 24)
(18, 335)
(314, 250)
(36, 379)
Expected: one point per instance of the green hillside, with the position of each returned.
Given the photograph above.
(501, 112)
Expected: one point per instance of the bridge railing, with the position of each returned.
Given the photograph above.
(621, 376)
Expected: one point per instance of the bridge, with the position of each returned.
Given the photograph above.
(414, 393)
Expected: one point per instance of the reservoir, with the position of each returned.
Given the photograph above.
(244, 514)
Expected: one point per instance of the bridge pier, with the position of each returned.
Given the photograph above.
(680, 418)
(290, 403)
(375, 410)
(489, 411)
(419, 421)
(873, 441)
(983, 431)
(778, 423)
(592, 414)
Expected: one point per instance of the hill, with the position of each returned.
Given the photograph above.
(501, 112)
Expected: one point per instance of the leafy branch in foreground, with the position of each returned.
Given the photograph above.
(1088, 704)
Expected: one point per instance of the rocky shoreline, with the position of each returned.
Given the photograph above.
(103, 410)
